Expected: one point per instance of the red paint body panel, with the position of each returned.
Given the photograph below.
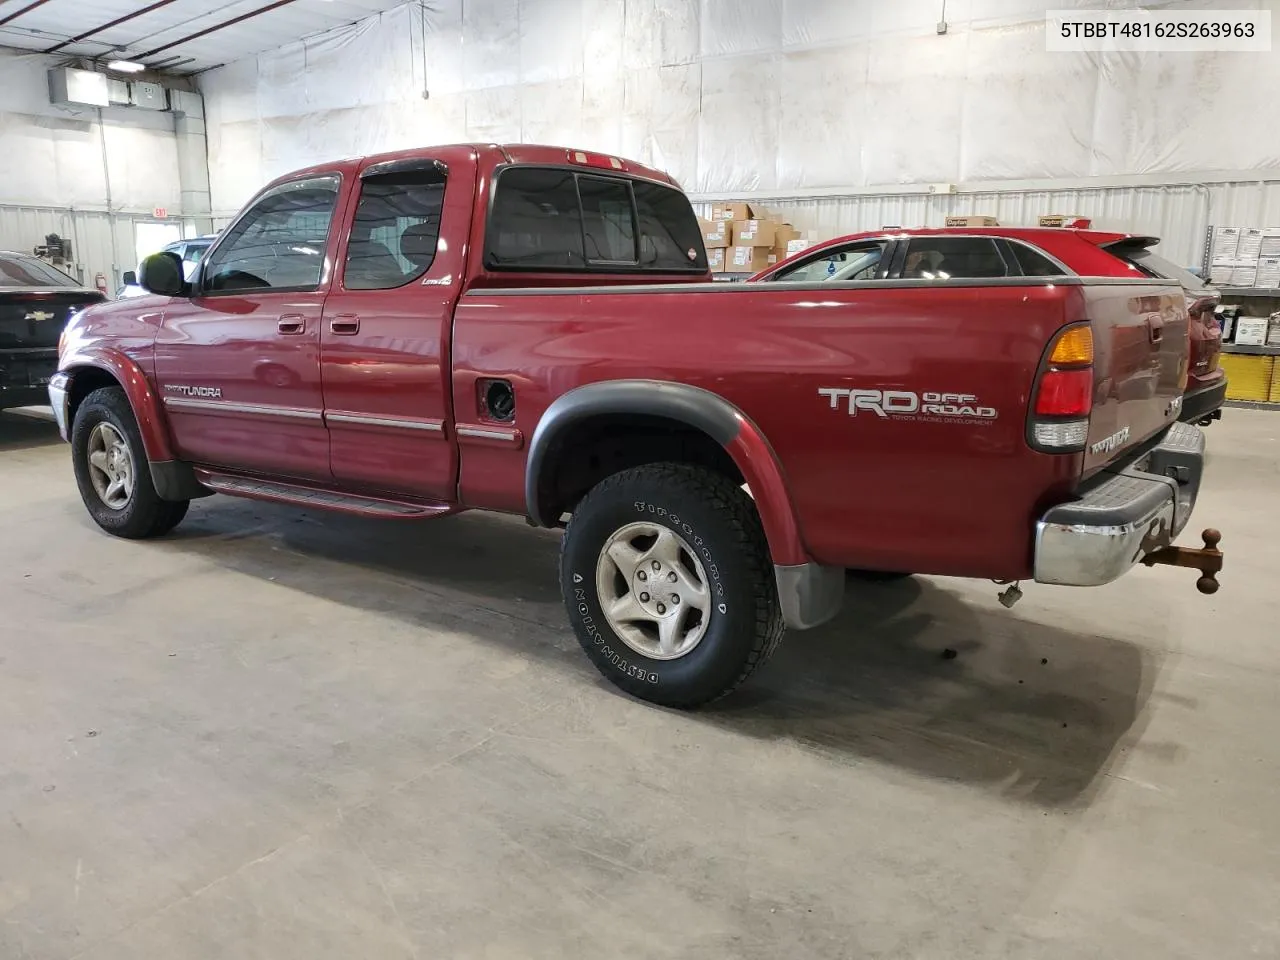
(834, 482)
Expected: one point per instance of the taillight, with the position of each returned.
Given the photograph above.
(1063, 395)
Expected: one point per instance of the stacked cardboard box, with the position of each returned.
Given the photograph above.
(1065, 220)
(740, 239)
(1245, 257)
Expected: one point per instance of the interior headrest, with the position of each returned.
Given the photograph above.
(418, 243)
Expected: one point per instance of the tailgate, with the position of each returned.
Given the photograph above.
(32, 319)
(1141, 348)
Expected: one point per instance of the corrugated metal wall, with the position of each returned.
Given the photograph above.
(100, 243)
(1179, 215)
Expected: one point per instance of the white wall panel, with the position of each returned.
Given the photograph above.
(861, 97)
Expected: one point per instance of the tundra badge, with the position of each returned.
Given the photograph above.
(1113, 442)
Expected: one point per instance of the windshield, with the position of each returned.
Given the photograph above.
(30, 272)
(1154, 265)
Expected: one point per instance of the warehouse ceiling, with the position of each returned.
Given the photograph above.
(176, 36)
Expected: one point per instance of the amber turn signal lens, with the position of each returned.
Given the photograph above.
(1073, 346)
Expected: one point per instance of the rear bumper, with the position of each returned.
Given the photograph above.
(1124, 516)
(1202, 402)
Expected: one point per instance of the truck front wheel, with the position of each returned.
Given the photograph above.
(668, 583)
(111, 469)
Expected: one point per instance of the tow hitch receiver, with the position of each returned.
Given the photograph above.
(1207, 560)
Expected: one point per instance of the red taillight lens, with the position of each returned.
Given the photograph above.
(1065, 393)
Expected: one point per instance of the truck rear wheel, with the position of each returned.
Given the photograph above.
(668, 583)
(111, 469)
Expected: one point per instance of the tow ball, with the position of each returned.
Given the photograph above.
(1208, 560)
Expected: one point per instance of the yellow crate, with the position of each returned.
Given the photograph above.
(1275, 383)
(1249, 378)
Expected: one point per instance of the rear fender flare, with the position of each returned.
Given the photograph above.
(143, 399)
(701, 409)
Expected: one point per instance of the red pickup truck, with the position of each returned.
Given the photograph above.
(530, 330)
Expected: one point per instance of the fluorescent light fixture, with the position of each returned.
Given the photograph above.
(126, 66)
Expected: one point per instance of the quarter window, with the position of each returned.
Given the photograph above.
(396, 229)
(1033, 262)
(279, 243)
(558, 219)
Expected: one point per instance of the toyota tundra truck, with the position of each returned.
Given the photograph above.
(532, 330)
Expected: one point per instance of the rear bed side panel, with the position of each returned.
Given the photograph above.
(922, 492)
(1140, 344)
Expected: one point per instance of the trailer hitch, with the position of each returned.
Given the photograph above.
(1208, 560)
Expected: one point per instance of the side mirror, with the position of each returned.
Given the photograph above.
(130, 278)
(161, 273)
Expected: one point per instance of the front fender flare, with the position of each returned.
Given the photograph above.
(146, 404)
(696, 407)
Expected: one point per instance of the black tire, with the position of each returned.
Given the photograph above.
(145, 514)
(719, 522)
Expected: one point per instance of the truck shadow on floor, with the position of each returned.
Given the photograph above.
(1031, 711)
(20, 431)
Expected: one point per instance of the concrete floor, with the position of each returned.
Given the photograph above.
(286, 735)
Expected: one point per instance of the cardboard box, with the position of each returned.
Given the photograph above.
(1250, 245)
(715, 233)
(1252, 331)
(748, 259)
(783, 233)
(1224, 243)
(795, 246)
(1243, 273)
(976, 221)
(1270, 242)
(716, 259)
(753, 233)
(733, 211)
(1220, 272)
(1074, 220)
(1268, 274)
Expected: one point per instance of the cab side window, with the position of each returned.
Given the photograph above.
(395, 230)
(279, 243)
(856, 261)
(953, 258)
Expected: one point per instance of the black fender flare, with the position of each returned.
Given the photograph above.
(700, 409)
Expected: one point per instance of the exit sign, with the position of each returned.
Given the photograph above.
(160, 213)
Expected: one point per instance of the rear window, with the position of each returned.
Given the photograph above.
(30, 272)
(546, 218)
(953, 258)
(1153, 265)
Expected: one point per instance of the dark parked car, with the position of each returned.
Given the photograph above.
(36, 300)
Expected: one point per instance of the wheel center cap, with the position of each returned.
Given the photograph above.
(654, 588)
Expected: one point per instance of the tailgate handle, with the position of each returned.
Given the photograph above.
(1155, 327)
(291, 323)
(345, 325)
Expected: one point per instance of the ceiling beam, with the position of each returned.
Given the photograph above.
(17, 13)
(107, 26)
(208, 30)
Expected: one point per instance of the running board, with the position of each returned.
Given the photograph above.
(301, 496)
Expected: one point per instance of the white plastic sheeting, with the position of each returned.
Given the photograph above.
(52, 155)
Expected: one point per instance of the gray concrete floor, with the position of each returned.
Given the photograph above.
(287, 735)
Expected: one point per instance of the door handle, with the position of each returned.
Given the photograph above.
(291, 323)
(1155, 327)
(345, 325)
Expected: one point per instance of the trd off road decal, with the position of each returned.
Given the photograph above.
(928, 407)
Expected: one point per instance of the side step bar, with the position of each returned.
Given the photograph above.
(302, 496)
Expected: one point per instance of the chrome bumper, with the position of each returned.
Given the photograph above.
(1126, 515)
(58, 400)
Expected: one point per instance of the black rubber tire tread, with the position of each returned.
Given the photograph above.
(146, 515)
(747, 542)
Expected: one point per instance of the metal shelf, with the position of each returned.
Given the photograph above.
(1250, 350)
(1249, 291)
